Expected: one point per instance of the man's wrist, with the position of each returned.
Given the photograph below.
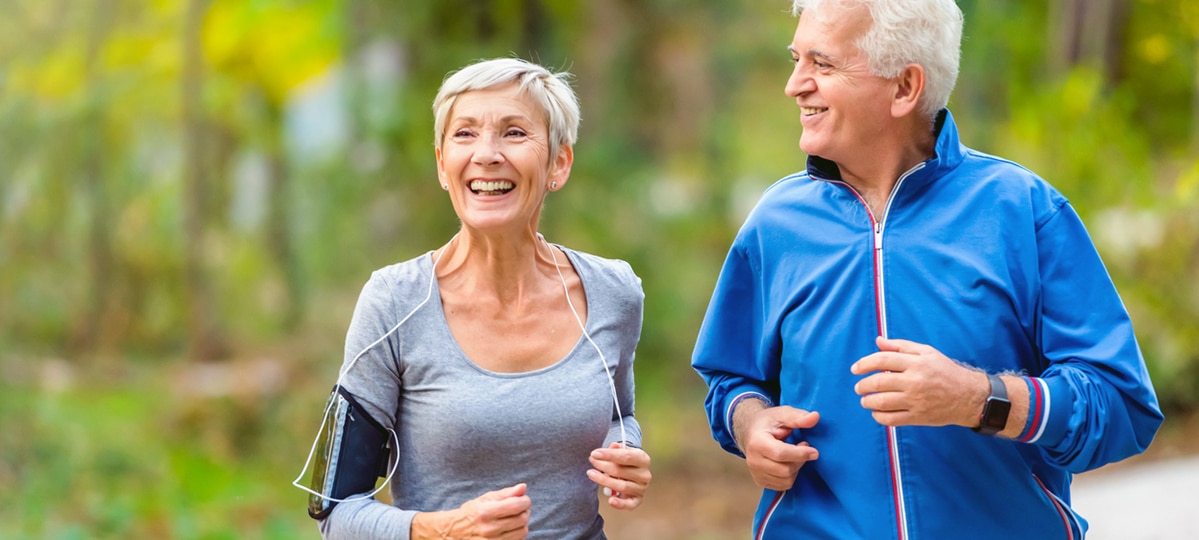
(980, 389)
(744, 408)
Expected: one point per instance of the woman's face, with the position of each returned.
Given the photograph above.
(494, 159)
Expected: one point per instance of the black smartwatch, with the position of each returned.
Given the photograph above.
(995, 411)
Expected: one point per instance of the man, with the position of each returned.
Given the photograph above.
(912, 339)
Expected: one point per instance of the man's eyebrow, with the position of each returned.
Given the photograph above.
(810, 52)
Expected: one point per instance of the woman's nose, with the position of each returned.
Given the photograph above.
(488, 152)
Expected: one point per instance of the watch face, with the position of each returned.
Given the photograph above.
(996, 413)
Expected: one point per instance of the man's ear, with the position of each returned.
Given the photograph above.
(909, 87)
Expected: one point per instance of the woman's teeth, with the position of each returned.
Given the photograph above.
(491, 187)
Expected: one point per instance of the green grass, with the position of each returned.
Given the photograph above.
(134, 459)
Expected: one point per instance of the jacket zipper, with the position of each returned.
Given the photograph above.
(881, 305)
(1069, 520)
(778, 498)
(879, 224)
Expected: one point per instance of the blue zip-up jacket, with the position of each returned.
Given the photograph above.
(975, 256)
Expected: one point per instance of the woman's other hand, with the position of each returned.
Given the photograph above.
(502, 514)
(624, 470)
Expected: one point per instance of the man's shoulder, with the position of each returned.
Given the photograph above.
(990, 166)
(789, 191)
(794, 183)
(1000, 179)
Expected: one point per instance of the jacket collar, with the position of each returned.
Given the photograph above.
(949, 152)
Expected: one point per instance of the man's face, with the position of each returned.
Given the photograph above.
(843, 108)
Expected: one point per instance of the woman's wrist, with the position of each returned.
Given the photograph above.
(430, 526)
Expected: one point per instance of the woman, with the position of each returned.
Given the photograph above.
(499, 367)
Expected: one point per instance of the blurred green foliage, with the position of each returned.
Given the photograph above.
(305, 160)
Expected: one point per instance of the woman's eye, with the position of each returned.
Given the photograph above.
(462, 133)
(515, 133)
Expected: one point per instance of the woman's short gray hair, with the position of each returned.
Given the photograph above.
(924, 32)
(549, 90)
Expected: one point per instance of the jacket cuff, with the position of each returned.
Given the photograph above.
(732, 406)
(1049, 405)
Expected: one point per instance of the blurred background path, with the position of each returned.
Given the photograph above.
(1145, 501)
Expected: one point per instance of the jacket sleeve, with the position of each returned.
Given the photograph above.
(733, 353)
(1093, 404)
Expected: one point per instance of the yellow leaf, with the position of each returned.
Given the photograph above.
(1187, 187)
(277, 47)
(1155, 49)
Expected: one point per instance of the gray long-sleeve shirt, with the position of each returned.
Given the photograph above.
(464, 430)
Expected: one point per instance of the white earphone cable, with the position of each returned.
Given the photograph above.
(583, 327)
(394, 435)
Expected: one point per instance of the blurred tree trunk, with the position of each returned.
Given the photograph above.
(1195, 103)
(95, 189)
(357, 32)
(1088, 32)
(203, 339)
(279, 234)
(535, 36)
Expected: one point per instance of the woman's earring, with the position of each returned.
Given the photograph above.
(445, 187)
(553, 186)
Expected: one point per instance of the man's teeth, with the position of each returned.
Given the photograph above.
(491, 185)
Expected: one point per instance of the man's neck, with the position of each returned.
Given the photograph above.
(875, 175)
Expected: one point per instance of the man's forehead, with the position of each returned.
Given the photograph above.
(832, 31)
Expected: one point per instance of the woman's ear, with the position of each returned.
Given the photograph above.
(441, 176)
(560, 168)
(909, 87)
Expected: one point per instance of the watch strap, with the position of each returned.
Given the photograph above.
(995, 411)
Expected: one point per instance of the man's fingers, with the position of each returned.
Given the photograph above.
(901, 346)
(881, 361)
(885, 402)
(886, 381)
(786, 454)
(793, 418)
(777, 471)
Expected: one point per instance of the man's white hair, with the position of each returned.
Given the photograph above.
(924, 32)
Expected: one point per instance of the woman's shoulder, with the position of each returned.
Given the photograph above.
(400, 277)
(607, 271)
